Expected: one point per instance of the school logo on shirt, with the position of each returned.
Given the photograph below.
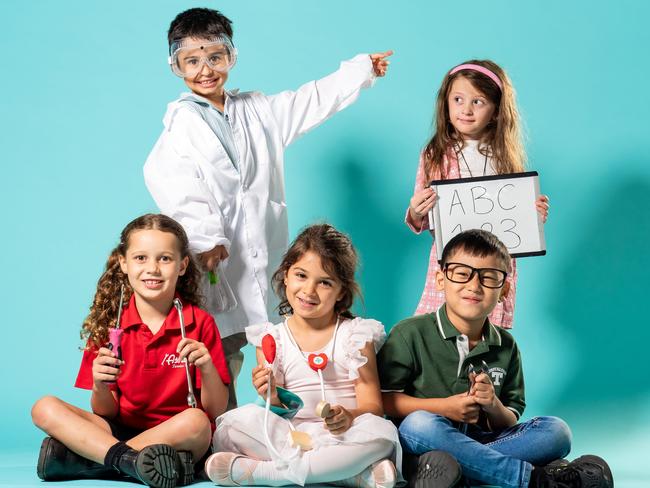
(172, 360)
(497, 374)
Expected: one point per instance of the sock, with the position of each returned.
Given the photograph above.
(114, 453)
(122, 457)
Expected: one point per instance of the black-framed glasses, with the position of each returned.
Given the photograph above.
(463, 273)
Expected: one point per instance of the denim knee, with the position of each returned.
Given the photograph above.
(422, 431)
(560, 434)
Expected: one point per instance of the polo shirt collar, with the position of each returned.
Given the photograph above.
(447, 330)
(131, 317)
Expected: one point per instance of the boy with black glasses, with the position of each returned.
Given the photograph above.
(454, 383)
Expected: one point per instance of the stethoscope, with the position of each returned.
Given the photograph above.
(300, 441)
(317, 362)
(191, 399)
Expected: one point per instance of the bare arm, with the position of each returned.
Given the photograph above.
(367, 392)
(214, 393)
(367, 386)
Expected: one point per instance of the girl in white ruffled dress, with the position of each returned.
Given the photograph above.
(353, 445)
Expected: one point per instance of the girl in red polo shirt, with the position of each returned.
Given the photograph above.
(141, 424)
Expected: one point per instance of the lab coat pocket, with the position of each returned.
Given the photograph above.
(220, 297)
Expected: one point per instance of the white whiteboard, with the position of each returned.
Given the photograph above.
(503, 205)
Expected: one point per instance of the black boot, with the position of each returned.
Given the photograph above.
(185, 468)
(57, 463)
(156, 465)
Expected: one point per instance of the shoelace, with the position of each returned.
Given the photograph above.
(571, 476)
(567, 477)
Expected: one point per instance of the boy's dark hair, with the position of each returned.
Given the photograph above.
(199, 22)
(479, 243)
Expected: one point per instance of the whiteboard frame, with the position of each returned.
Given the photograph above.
(434, 213)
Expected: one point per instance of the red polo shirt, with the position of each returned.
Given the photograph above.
(152, 386)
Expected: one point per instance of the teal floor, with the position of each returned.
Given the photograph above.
(18, 469)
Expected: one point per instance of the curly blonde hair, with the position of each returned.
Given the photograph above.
(104, 309)
(502, 135)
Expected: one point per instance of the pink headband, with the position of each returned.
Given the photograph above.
(480, 69)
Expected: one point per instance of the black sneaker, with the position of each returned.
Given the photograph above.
(435, 469)
(558, 463)
(583, 472)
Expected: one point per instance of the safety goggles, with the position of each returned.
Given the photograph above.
(189, 55)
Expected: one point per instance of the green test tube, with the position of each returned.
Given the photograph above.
(214, 279)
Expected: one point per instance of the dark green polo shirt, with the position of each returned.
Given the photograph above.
(422, 358)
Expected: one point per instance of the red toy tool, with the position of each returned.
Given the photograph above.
(269, 348)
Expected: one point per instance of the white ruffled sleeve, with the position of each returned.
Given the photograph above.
(254, 335)
(354, 334)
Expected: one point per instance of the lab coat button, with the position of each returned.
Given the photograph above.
(254, 253)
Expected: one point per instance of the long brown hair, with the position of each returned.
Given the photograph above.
(103, 311)
(502, 135)
(338, 256)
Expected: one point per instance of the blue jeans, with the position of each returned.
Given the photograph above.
(504, 458)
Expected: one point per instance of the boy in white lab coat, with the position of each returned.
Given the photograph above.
(218, 167)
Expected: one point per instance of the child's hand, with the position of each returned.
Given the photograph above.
(462, 408)
(261, 375)
(483, 392)
(379, 62)
(338, 420)
(196, 353)
(421, 202)
(542, 206)
(211, 259)
(105, 367)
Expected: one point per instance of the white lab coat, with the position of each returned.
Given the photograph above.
(243, 206)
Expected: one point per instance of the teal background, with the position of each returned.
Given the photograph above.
(84, 87)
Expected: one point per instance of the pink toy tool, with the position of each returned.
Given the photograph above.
(115, 333)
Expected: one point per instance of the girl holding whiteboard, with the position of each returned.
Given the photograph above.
(477, 133)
